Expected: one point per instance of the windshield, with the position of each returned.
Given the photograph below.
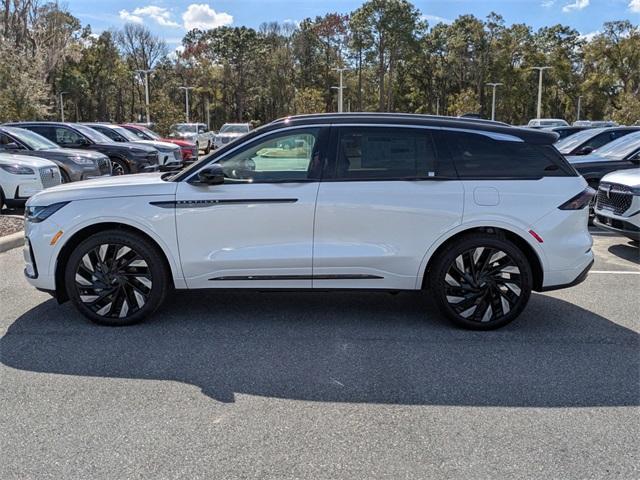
(567, 144)
(621, 148)
(131, 137)
(234, 128)
(31, 139)
(92, 134)
(150, 133)
(184, 128)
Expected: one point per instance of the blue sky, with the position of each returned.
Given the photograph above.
(171, 18)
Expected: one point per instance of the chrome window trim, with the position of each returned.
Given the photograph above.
(241, 145)
(494, 135)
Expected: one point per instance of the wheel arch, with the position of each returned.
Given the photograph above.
(86, 232)
(527, 249)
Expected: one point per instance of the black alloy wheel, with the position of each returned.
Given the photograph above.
(482, 283)
(116, 278)
(118, 167)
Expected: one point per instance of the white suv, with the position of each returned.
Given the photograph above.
(22, 176)
(480, 214)
(618, 203)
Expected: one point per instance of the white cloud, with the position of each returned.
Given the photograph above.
(576, 5)
(548, 3)
(634, 6)
(433, 19)
(129, 17)
(203, 17)
(160, 15)
(589, 36)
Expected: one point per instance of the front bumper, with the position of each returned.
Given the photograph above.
(618, 225)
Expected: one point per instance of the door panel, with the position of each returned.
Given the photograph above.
(227, 232)
(380, 229)
(256, 229)
(372, 229)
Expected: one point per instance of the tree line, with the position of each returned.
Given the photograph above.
(394, 61)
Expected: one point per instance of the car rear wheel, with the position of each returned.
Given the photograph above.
(481, 282)
(116, 278)
(208, 149)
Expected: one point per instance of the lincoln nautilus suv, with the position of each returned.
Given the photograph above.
(476, 213)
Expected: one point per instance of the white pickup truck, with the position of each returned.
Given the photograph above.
(194, 132)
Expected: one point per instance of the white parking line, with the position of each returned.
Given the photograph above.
(620, 272)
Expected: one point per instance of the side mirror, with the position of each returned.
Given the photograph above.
(212, 175)
(81, 142)
(586, 150)
(11, 146)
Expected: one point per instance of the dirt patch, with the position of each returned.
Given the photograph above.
(9, 225)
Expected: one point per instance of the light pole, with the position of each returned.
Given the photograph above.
(579, 105)
(62, 105)
(146, 91)
(493, 100)
(540, 69)
(340, 88)
(186, 100)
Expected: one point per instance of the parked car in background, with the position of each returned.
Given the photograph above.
(22, 176)
(169, 155)
(188, 148)
(230, 132)
(591, 139)
(125, 157)
(74, 164)
(595, 123)
(547, 122)
(194, 132)
(564, 132)
(618, 203)
(477, 213)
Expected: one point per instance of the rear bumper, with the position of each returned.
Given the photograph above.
(576, 281)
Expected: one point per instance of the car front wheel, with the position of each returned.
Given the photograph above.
(116, 278)
(481, 282)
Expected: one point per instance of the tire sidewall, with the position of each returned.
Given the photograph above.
(157, 268)
(438, 273)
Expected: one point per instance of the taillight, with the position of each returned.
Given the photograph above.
(580, 201)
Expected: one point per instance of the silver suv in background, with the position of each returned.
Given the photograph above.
(197, 133)
(230, 132)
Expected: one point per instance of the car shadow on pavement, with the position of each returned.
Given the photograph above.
(626, 251)
(343, 347)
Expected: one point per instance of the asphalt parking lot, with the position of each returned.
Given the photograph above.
(324, 385)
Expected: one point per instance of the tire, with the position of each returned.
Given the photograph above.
(64, 177)
(481, 281)
(208, 149)
(1, 200)
(119, 167)
(198, 148)
(116, 278)
(592, 204)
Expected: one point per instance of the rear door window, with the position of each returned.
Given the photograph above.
(385, 153)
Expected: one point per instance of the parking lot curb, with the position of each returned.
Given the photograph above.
(11, 241)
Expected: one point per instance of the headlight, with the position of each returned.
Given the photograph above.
(17, 169)
(82, 161)
(39, 214)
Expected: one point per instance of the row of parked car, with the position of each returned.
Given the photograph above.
(609, 159)
(37, 155)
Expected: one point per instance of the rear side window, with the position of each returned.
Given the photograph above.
(480, 156)
(370, 153)
(46, 131)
